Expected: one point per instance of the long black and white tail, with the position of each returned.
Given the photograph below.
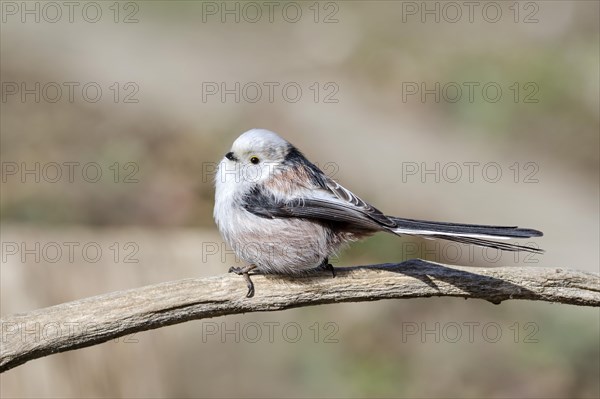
(474, 234)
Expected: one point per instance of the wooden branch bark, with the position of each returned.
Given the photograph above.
(94, 320)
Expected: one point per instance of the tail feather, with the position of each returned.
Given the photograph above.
(474, 234)
(504, 246)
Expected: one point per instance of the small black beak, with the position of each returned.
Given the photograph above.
(230, 156)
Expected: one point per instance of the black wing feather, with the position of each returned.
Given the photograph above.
(263, 204)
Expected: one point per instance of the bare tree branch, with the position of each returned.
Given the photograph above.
(94, 320)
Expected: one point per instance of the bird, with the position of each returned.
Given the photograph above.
(282, 215)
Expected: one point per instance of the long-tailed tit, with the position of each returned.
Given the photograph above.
(282, 215)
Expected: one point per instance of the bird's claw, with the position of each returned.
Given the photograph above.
(243, 271)
(327, 266)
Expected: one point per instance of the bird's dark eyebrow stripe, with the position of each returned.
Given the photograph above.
(295, 158)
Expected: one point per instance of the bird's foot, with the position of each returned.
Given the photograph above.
(327, 266)
(243, 271)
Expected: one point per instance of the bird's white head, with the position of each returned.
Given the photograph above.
(263, 144)
(253, 158)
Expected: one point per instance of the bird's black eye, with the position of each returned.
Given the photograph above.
(254, 160)
(230, 156)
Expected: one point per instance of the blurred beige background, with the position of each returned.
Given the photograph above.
(157, 129)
